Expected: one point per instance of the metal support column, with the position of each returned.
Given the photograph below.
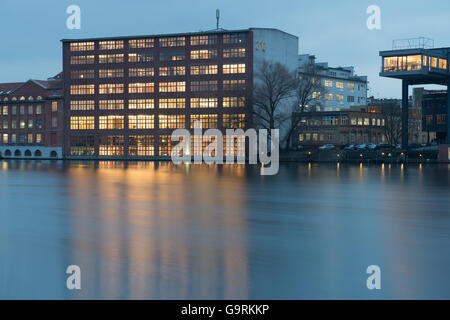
(448, 111)
(405, 115)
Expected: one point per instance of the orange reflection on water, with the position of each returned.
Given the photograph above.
(154, 230)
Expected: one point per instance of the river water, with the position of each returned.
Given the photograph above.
(154, 230)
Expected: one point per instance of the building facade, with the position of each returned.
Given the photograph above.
(340, 128)
(416, 64)
(343, 89)
(434, 120)
(392, 110)
(125, 96)
(31, 118)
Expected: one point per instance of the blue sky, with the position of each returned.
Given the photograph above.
(334, 31)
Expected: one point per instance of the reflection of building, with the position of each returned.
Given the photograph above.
(416, 65)
(31, 119)
(343, 88)
(340, 128)
(126, 95)
(434, 107)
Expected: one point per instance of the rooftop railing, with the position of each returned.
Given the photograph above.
(413, 43)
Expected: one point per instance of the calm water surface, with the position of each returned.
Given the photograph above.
(159, 231)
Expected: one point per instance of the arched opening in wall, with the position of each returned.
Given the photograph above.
(53, 154)
(7, 153)
(38, 153)
(17, 153)
(27, 153)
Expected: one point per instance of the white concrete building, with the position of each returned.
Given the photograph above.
(274, 45)
(343, 88)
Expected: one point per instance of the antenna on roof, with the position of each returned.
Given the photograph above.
(217, 17)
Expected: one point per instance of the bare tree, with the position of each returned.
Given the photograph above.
(274, 90)
(393, 124)
(308, 91)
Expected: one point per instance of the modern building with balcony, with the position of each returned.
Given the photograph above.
(416, 62)
(343, 88)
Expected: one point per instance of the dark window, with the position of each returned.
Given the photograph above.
(172, 55)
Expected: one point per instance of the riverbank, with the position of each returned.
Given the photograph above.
(419, 155)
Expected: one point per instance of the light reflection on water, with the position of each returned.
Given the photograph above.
(153, 230)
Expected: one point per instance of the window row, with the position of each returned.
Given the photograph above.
(148, 87)
(144, 145)
(177, 41)
(344, 120)
(165, 103)
(171, 55)
(30, 110)
(341, 85)
(163, 71)
(339, 97)
(14, 138)
(27, 124)
(115, 122)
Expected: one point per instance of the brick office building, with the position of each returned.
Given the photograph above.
(340, 128)
(125, 96)
(31, 119)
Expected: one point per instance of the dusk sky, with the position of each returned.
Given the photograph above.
(334, 31)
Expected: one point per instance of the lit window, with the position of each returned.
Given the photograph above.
(81, 123)
(173, 103)
(141, 72)
(110, 73)
(207, 120)
(232, 102)
(233, 68)
(110, 88)
(141, 87)
(234, 121)
(81, 46)
(206, 69)
(140, 57)
(204, 54)
(172, 42)
(110, 45)
(111, 58)
(111, 122)
(171, 121)
(111, 146)
(203, 102)
(110, 104)
(172, 86)
(82, 60)
(234, 53)
(141, 104)
(81, 105)
(141, 121)
(141, 146)
(203, 40)
(141, 43)
(54, 106)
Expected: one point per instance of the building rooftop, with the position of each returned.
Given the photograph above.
(201, 32)
(6, 88)
(53, 83)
